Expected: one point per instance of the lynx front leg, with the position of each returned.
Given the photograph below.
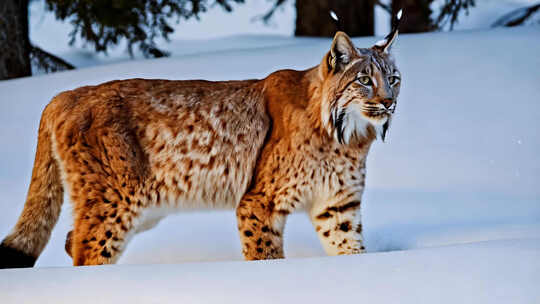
(260, 224)
(339, 226)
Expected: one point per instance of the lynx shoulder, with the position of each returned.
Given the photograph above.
(130, 152)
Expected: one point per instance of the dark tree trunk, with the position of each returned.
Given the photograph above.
(416, 15)
(14, 41)
(355, 17)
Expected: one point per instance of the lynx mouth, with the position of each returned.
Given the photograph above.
(379, 116)
(378, 112)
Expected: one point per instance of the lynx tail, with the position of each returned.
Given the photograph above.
(24, 244)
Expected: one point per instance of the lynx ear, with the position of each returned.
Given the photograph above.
(342, 50)
(385, 44)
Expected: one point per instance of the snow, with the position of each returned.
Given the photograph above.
(486, 272)
(451, 212)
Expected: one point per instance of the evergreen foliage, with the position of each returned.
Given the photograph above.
(104, 23)
(450, 10)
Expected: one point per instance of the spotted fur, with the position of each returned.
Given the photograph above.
(130, 152)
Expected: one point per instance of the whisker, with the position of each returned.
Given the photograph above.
(380, 112)
(373, 109)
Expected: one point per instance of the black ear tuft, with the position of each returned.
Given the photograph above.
(13, 258)
(337, 21)
(385, 44)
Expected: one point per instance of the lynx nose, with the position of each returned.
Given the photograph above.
(388, 102)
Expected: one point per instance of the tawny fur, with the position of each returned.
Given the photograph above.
(130, 152)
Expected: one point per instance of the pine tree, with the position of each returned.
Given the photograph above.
(419, 17)
(416, 17)
(105, 23)
(450, 10)
(355, 17)
(98, 23)
(14, 42)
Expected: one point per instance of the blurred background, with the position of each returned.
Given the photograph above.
(43, 36)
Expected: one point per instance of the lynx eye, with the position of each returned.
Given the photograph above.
(365, 80)
(393, 80)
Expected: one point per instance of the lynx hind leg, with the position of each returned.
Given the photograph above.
(107, 209)
(104, 169)
(100, 236)
(339, 227)
(260, 226)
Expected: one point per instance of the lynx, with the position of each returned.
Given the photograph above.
(130, 152)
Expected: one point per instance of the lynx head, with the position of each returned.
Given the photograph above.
(360, 88)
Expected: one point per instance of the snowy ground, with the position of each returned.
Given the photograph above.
(485, 272)
(454, 194)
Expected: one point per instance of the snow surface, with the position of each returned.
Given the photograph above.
(485, 272)
(454, 193)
